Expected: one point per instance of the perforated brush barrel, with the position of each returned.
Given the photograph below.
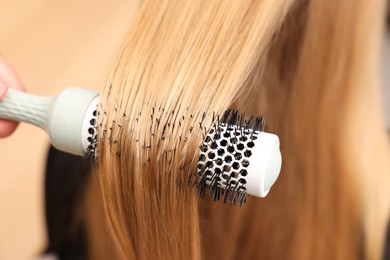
(236, 160)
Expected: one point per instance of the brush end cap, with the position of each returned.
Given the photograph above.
(265, 167)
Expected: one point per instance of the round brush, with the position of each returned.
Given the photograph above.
(237, 158)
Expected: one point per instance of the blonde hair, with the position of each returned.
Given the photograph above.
(309, 66)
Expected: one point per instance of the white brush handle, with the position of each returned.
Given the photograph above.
(63, 117)
(24, 107)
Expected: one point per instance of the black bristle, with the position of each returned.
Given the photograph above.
(215, 191)
(202, 186)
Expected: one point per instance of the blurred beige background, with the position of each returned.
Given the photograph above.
(386, 73)
(51, 44)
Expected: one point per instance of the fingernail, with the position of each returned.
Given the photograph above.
(3, 89)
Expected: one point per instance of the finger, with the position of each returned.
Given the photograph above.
(8, 75)
(9, 79)
(6, 127)
(3, 89)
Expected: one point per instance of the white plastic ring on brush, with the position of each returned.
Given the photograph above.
(65, 117)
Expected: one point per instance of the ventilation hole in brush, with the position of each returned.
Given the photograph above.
(230, 149)
(219, 161)
(223, 143)
(211, 155)
(217, 136)
(233, 140)
(251, 144)
(217, 170)
(234, 175)
(209, 164)
(214, 145)
(92, 121)
(247, 153)
(91, 131)
(242, 181)
(228, 159)
(202, 157)
(226, 168)
(221, 152)
(245, 163)
(203, 148)
(236, 165)
(243, 138)
(240, 147)
(237, 156)
(226, 135)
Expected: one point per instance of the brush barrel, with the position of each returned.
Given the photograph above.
(240, 160)
(62, 117)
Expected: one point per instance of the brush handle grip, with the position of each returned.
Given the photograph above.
(24, 107)
(66, 117)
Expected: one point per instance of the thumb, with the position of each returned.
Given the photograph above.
(8, 78)
(3, 89)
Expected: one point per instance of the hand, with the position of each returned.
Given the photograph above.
(8, 78)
